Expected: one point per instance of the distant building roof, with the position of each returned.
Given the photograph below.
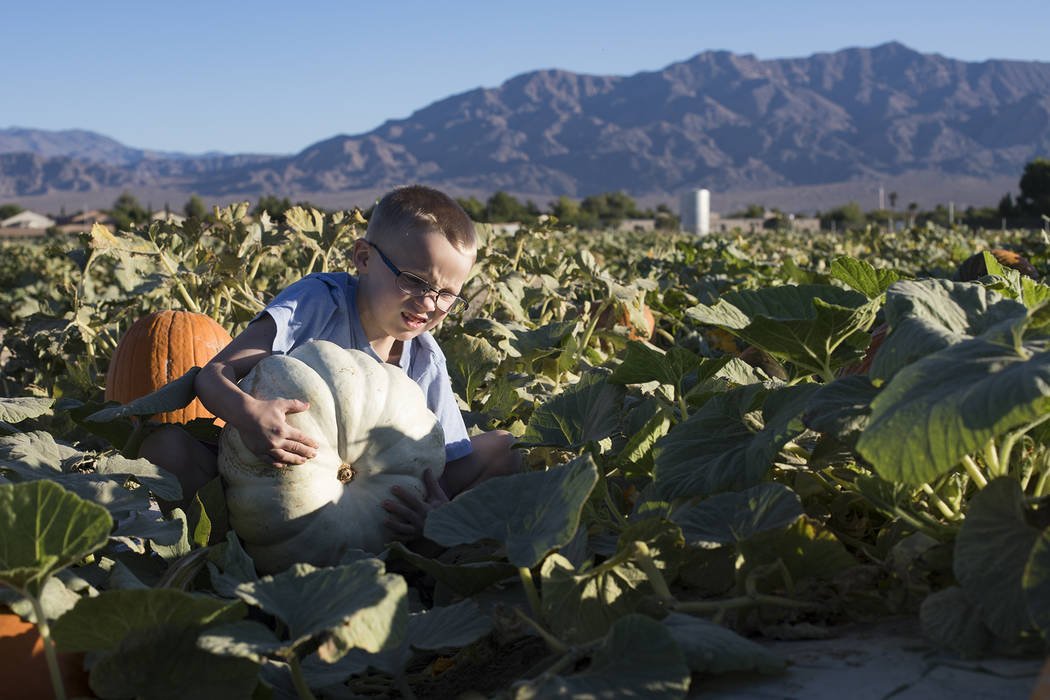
(27, 219)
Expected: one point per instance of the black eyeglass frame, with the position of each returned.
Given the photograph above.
(457, 304)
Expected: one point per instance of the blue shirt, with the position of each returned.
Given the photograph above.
(323, 306)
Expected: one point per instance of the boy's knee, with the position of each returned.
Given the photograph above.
(495, 450)
(174, 450)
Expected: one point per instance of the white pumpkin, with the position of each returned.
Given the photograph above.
(374, 431)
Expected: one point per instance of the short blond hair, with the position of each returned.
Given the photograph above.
(419, 208)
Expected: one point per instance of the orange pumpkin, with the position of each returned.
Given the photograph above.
(23, 667)
(622, 317)
(158, 349)
(973, 268)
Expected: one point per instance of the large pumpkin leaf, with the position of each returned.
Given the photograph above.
(1036, 582)
(100, 622)
(805, 548)
(950, 403)
(862, 276)
(806, 325)
(44, 528)
(470, 360)
(991, 551)
(638, 658)
(733, 517)
(730, 442)
(358, 605)
(165, 663)
(645, 363)
(951, 620)
(15, 410)
(587, 411)
(455, 625)
(841, 408)
(581, 605)
(176, 394)
(465, 579)
(929, 315)
(161, 482)
(711, 648)
(1011, 283)
(530, 514)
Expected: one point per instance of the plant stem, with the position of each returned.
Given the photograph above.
(188, 300)
(620, 519)
(991, 458)
(974, 471)
(297, 679)
(656, 577)
(49, 648)
(555, 644)
(717, 606)
(404, 688)
(530, 591)
(946, 510)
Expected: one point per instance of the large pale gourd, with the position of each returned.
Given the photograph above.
(374, 431)
(160, 348)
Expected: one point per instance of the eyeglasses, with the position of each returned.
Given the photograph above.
(416, 286)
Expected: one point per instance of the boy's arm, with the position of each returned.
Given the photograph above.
(262, 425)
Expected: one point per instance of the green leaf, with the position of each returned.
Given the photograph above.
(244, 639)
(645, 363)
(733, 517)
(727, 444)
(806, 325)
(358, 605)
(16, 410)
(951, 403)
(44, 528)
(231, 566)
(582, 605)
(530, 514)
(99, 623)
(161, 482)
(470, 360)
(807, 550)
(952, 621)
(587, 411)
(862, 276)
(926, 316)
(638, 658)
(176, 394)
(711, 648)
(991, 551)
(841, 408)
(465, 579)
(1036, 583)
(531, 344)
(165, 663)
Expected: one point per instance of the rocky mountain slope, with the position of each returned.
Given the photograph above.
(718, 120)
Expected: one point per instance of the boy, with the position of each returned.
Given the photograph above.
(411, 266)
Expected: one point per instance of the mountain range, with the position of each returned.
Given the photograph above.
(831, 123)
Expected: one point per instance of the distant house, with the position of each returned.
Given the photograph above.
(27, 219)
(83, 221)
(751, 225)
(170, 217)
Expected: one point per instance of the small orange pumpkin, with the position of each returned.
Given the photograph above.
(623, 318)
(158, 349)
(973, 268)
(23, 667)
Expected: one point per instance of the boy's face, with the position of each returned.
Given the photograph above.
(386, 311)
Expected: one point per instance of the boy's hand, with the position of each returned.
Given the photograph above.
(408, 514)
(267, 434)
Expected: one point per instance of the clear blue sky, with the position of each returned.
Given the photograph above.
(275, 77)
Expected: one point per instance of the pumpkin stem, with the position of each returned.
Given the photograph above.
(346, 473)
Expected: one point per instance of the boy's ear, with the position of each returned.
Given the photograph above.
(360, 254)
